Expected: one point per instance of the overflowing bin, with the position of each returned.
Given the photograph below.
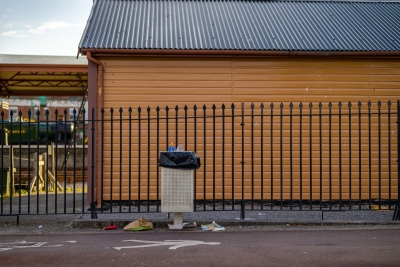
(177, 191)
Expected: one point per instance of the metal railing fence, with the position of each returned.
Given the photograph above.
(288, 156)
(295, 157)
(33, 152)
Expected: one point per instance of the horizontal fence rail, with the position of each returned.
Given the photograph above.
(257, 157)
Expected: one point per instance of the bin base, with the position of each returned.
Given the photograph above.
(178, 221)
(179, 224)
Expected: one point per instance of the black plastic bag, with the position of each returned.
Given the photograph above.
(179, 160)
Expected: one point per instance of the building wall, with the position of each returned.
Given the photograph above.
(26, 104)
(168, 81)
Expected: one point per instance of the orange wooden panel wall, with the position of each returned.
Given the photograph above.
(165, 81)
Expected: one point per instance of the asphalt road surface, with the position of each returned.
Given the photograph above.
(376, 247)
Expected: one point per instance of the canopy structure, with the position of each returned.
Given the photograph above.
(27, 75)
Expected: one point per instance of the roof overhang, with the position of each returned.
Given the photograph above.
(22, 75)
(234, 53)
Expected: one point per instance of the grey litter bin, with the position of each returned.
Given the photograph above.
(177, 188)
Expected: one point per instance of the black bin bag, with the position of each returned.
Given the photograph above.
(179, 160)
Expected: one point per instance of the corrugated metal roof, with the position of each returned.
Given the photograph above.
(244, 25)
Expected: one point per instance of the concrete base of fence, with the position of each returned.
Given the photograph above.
(253, 218)
(160, 224)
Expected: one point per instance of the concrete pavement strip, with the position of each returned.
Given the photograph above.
(79, 224)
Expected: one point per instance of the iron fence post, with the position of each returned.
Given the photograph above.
(242, 206)
(93, 213)
(3, 142)
(398, 161)
(396, 214)
(350, 153)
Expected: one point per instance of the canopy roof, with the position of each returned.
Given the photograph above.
(27, 75)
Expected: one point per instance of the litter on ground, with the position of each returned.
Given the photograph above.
(212, 227)
(139, 225)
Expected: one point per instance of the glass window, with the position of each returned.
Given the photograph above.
(73, 116)
(35, 112)
(45, 109)
(14, 111)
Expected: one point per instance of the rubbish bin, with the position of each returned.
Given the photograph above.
(5, 181)
(177, 182)
(179, 160)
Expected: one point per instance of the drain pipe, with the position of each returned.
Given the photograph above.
(100, 78)
(97, 149)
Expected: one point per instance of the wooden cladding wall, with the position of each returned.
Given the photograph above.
(335, 155)
(133, 82)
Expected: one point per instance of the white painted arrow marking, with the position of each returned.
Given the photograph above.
(25, 244)
(173, 243)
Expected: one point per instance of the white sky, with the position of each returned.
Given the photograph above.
(42, 27)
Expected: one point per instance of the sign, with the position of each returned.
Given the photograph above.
(5, 105)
